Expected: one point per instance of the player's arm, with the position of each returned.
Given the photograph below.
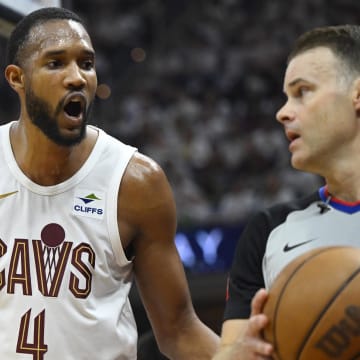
(241, 338)
(244, 321)
(147, 205)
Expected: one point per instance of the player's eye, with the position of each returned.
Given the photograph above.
(88, 64)
(54, 64)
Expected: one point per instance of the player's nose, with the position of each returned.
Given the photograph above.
(74, 77)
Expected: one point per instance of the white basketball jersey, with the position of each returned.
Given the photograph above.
(64, 277)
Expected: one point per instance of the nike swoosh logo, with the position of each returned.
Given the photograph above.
(287, 247)
(2, 196)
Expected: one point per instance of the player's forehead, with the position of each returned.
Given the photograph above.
(317, 64)
(58, 33)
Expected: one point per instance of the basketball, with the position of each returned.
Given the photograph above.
(314, 306)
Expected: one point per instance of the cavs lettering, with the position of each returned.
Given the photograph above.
(52, 256)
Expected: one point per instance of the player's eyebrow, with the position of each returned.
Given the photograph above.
(50, 53)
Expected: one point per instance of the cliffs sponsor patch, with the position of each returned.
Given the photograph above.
(89, 203)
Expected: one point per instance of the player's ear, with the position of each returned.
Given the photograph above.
(356, 95)
(15, 77)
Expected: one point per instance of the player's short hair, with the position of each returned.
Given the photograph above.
(342, 40)
(20, 35)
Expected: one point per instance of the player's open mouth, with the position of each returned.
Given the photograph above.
(75, 106)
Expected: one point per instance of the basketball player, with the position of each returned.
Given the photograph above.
(82, 214)
(321, 119)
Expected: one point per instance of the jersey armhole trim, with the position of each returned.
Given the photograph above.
(112, 206)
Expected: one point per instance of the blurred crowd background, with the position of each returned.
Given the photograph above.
(196, 85)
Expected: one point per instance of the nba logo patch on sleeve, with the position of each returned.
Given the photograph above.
(89, 203)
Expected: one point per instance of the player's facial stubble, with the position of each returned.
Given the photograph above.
(41, 115)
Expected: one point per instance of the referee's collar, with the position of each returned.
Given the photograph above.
(349, 207)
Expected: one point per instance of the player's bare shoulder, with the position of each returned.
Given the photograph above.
(143, 171)
(145, 184)
(145, 204)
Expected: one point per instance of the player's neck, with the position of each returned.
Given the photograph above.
(44, 162)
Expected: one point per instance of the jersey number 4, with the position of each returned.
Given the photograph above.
(37, 348)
